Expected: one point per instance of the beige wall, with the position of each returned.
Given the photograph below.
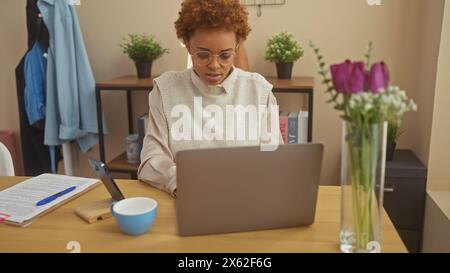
(419, 123)
(13, 44)
(341, 28)
(436, 233)
(437, 215)
(439, 162)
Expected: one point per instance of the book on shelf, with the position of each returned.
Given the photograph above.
(284, 126)
(303, 127)
(293, 128)
(142, 128)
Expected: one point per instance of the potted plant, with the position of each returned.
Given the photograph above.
(392, 136)
(143, 50)
(283, 50)
(399, 106)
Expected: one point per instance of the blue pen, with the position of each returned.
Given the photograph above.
(49, 199)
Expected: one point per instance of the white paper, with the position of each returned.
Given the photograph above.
(19, 201)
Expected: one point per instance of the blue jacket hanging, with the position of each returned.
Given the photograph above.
(35, 71)
(70, 106)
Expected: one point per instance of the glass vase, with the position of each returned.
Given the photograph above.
(362, 183)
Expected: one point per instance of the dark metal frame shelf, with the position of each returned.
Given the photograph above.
(130, 84)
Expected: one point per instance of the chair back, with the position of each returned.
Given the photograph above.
(6, 162)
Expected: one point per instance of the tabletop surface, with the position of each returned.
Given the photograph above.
(55, 231)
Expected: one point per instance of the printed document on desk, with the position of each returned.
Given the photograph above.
(18, 203)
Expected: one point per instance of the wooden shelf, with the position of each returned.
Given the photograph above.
(127, 82)
(294, 84)
(120, 164)
(130, 83)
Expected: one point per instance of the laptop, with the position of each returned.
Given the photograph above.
(241, 189)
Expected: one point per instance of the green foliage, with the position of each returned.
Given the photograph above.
(368, 55)
(337, 98)
(283, 48)
(142, 48)
(393, 132)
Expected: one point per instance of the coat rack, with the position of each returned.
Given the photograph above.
(260, 3)
(67, 147)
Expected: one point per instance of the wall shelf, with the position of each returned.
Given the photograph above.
(130, 84)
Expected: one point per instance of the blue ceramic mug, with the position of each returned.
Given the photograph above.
(135, 216)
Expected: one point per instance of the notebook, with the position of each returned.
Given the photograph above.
(18, 203)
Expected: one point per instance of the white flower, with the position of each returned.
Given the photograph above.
(368, 107)
(352, 103)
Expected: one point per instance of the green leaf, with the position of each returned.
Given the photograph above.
(340, 107)
(326, 81)
(346, 118)
(142, 48)
(333, 98)
(283, 47)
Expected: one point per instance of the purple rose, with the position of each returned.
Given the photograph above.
(378, 77)
(349, 77)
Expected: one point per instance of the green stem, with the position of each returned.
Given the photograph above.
(355, 190)
(363, 142)
(354, 152)
(365, 170)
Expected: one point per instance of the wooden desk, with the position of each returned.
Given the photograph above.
(130, 84)
(52, 232)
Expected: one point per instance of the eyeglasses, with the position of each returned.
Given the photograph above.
(204, 58)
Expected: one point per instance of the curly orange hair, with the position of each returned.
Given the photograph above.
(220, 14)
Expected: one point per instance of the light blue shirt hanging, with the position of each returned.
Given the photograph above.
(71, 109)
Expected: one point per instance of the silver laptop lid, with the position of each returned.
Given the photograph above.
(242, 189)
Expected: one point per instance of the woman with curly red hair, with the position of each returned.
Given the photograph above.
(212, 31)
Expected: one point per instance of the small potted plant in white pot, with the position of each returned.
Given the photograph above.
(143, 50)
(283, 50)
